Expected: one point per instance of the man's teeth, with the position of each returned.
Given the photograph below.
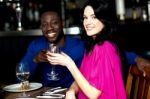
(51, 34)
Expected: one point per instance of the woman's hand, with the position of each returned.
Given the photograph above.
(70, 95)
(59, 58)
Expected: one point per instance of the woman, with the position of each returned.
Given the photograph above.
(99, 76)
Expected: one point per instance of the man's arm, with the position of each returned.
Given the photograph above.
(133, 58)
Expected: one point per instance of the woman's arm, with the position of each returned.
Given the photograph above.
(73, 90)
(64, 60)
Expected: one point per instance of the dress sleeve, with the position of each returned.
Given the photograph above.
(108, 73)
(116, 69)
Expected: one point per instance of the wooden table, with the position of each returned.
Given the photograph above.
(33, 94)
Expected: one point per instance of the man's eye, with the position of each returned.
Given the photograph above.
(55, 22)
(43, 25)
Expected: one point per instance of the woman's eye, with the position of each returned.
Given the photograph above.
(84, 17)
(93, 17)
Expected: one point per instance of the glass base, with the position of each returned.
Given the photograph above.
(53, 77)
(23, 95)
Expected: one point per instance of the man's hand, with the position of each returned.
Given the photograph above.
(40, 57)
(141, 63)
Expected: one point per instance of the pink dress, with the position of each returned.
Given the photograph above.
(102, 68)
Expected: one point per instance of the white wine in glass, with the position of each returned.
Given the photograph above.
(22, 73)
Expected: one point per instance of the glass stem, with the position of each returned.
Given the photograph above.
(53, 69)
(24, 94)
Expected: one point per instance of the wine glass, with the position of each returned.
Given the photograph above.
(53, 75)
(22, 73)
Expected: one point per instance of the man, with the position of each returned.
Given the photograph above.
(52, 28)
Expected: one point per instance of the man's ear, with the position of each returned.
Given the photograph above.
(63, 23)
(40, 26)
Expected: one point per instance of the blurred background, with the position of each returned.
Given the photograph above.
(31, 10)
(20, 21)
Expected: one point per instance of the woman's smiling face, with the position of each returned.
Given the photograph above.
(91, 23)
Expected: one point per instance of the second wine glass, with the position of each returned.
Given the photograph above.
(22, 73)
(53, 75)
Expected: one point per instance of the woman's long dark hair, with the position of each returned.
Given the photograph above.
(104, 11)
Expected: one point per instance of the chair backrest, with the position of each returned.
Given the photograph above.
(138, 83)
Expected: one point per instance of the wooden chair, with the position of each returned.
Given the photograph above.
(138, 83)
